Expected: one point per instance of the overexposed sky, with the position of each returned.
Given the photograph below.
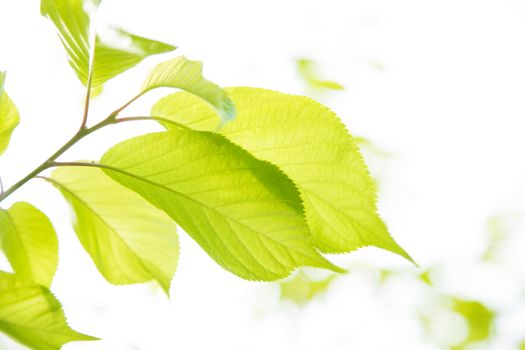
(448, 101)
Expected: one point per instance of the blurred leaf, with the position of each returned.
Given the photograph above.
(499, 228)
(245, 213)
(30, 314)
(129, 240)
(112, 57)
(308, 72)
(311, 145)
(365, 144)
(479, 319)
(9, 117)
(301, 288)
(426, 277)
(29, 243)
(186, 75)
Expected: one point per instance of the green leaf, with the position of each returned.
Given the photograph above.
(311, 145)
(301, 288)
(29, 242)
(112, 57)
(30, 314)
(479, 320)
(9, 117)
(242, 211)
(111, 60)
(308, 72)
(72, 24)
(129, 240)
(184, 74)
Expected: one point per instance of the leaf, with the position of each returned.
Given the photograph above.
(243, 212)
(301, 288)
(30, 314)
(29, 242)
(122, 52)
(479, 319)
(129, 240)
(311, 145)
(184, 74)
(9, 117)
(307, 71)
(111, 60)
(72, 24)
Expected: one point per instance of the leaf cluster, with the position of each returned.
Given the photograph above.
(263, 181)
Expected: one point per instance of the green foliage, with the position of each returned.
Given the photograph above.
(129, 240)
(111, 57)
(264, 182)
(244, 212)
(9, 117)
(29, 242)
(184, 74)
(31, 314)
(311, 145)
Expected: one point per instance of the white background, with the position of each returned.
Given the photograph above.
(448, 103)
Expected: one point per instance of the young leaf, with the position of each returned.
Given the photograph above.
(111, 61)
(29, 242)
(311, 145)
(30, 314)
(184, 74)
(129, 240)
(111, 58)
(9, 116)
(245, 213)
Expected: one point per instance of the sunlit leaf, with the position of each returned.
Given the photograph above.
(9, 117)
(311, 145)
(30, 314)
(301, 288)
(125, 51)
(29, 242)
(479, 320)
(245, 213)
(115, 53)
(72, 24)
(129, 240)
(184, 74)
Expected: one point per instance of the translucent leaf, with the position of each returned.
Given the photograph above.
(186, 75)
(72, 24)
(30, 314)
(122, 52)
(9, 116)
(111, 61)
(243, 212)
(129, 240)
(311, 145)
(29, 242)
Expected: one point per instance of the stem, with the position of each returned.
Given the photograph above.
(117, 111)
(86, 102)
(82, 132)
(49, 162)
